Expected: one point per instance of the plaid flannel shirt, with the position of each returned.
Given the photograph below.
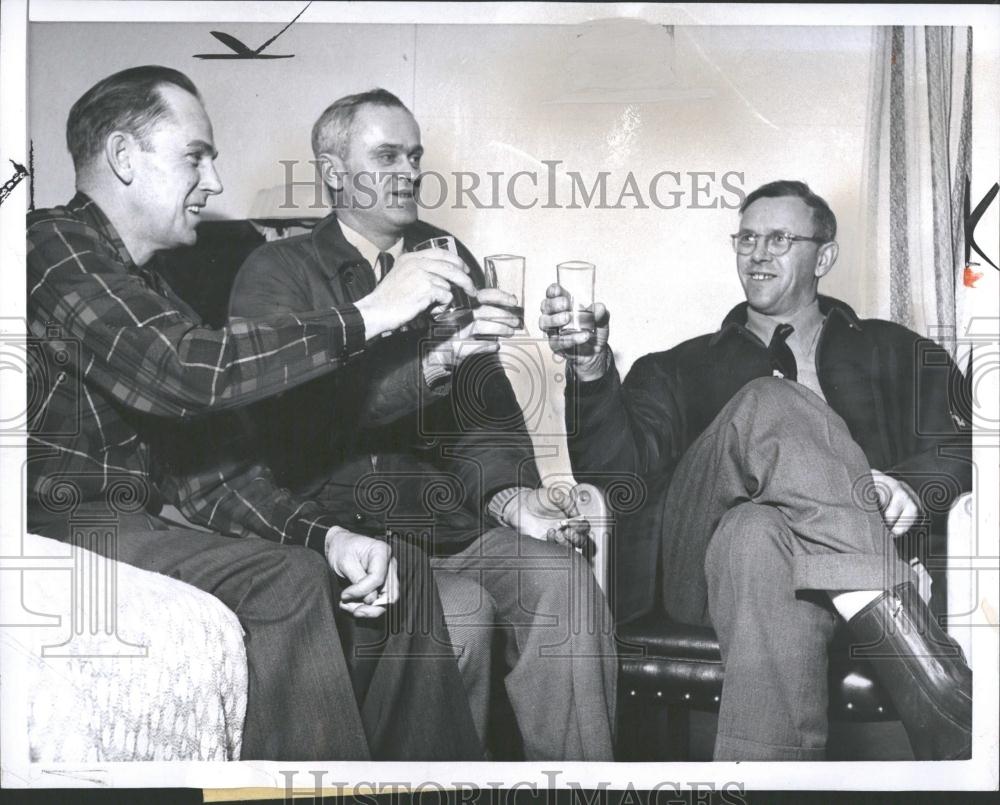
(116, 352)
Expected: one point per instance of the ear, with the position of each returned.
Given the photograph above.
(825, 258)
(333, 170)
(118, 151)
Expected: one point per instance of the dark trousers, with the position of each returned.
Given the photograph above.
(767, 510)
(322, 685)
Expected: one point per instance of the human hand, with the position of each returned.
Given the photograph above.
(900, 508)
(491, 319)
(534, 512)
(417, 281)
(370, 567)
(498, 313)
(587, 352)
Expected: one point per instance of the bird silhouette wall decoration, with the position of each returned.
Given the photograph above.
(241, 51)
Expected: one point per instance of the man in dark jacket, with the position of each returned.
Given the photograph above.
(771, 505)
(425, 436)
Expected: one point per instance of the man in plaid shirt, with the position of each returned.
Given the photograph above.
(138, 358)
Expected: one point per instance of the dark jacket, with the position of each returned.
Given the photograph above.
(890, 386)
(471, 432)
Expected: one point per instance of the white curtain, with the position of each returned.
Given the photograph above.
(917, 163)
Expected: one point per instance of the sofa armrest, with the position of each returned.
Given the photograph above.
(591, 504)
(164, 678)
(963, 589)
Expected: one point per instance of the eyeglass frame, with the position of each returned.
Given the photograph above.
(792, 240)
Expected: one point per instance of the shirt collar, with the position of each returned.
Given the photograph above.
(805, 322)
(368, 250)
(87, 210)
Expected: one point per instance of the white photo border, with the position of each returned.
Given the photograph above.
(978, 773)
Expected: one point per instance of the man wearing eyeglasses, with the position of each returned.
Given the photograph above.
(763, 448)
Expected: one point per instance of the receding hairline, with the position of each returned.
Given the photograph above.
(350, 106)
(372, 107)
(132, 101)
(165, 88)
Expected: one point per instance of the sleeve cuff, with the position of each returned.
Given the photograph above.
(436, 376)
(500, 500)
(354, 328)
(310, 531)
(591, 388)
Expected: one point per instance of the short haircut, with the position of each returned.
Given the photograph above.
(331, 133)
(823, 217)
(126, 101)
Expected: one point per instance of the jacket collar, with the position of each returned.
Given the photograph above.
(736, 320)
(335, 253)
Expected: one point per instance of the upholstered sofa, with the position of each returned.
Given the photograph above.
(119, 663)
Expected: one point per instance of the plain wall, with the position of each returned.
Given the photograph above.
(765, 102)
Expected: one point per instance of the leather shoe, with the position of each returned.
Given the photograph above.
(922, 669)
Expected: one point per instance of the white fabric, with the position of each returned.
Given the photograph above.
(170, 682)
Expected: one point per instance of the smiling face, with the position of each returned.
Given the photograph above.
(781, 286)
(172, 176)
(379, 173)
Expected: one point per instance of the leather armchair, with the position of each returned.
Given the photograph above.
(668, 669)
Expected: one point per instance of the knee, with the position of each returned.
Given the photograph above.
(773, 399)
(298, 567)
(750, 539)
(470, 616)
(289, 577)
(464, 600)
(558, 574)
(770, 389)
(765, 396)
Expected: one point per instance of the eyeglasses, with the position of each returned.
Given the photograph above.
(775, 243)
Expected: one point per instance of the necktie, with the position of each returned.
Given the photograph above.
(782, 359)
(385, 262)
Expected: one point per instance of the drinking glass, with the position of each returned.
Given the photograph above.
(576, 278)
(506, 273)
(459, 312)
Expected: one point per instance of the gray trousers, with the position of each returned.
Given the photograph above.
(469, 614)
(560, 646)
(766, 512)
